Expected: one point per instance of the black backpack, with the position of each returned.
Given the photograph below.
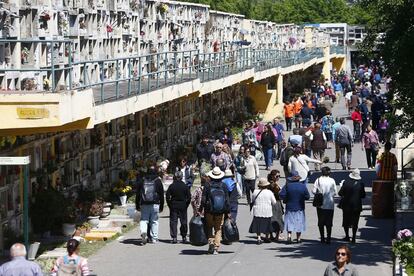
(149, 192)
(285, 155)
(217, 199)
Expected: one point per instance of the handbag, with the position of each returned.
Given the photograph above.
(254, 200)
(317, 199)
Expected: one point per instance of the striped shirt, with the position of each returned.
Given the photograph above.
(388, 166)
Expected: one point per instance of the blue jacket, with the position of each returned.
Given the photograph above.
(294, 195)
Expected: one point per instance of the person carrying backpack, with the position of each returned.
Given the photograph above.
(150, 201)
(286, 153)
(215, 203)
(71, 264)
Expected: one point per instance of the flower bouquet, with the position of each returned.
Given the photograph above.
(122, 189)
(403, 247)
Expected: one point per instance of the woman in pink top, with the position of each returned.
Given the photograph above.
(72, 258)
(370, 143)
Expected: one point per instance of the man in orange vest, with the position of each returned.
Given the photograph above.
(298, 104)
(289, 113)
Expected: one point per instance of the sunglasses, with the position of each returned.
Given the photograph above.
(340, 254)
(277, 176)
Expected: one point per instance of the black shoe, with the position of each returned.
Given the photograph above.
(259, 242)
(298, 240)
(353, 240)
(323, 240)
(174, 241)
(328, 241)
(184, 240)
(346, 239)
(289, 240)
(267, 241)
(144, 238)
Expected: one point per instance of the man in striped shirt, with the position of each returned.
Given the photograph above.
(387, 164)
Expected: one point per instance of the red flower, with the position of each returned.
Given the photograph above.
(109, 28)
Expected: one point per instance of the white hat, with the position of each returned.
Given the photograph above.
(228, 172)
(355, 174)
(216, 173)
(263, 182)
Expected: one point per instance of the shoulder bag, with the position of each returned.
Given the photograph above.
(254, 200)
(317, 199)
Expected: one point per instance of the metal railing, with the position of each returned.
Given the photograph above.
(337, 50)
(116, 78)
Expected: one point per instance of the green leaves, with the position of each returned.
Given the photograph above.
(391, 33)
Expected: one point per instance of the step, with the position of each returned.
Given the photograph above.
(107, 230)
(55, 253)
(99, 236)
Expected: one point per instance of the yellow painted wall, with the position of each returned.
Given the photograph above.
(268, 102)
(339, 63)
(326, 69)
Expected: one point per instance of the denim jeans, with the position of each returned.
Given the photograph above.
(268, 156)
(240, 181)
(149, 215)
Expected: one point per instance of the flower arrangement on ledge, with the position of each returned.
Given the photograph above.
(121, 188)
(403, 247)
(162, 8)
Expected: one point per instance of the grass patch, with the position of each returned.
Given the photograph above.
(87, 249)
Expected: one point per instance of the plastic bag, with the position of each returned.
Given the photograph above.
(198, 235)
(229, 231)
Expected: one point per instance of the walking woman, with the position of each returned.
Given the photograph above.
(342, 264)
(268, 141)
(277, 209)
(240, 168)
(370, 143)
(294, 194)
(352, 192)
(298, 164)
(262, 201)
(66, 263)
(327, 187)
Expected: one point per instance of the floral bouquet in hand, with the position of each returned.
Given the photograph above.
(121, 188)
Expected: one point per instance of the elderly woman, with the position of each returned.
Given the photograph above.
(352, 192)
(262, 201)
(294, 194)
(298, 164)
(342, 264)
(327, 187)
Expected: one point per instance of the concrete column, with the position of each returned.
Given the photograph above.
(326, 70)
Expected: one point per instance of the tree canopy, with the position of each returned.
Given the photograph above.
(391, 36)
(292, 11)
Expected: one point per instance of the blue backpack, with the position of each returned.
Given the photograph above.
(217, 199)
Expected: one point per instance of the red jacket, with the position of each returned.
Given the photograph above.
(356, 116)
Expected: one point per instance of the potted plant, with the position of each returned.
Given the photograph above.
(70, 217)
(95, 211)
(122, 190)
(106, 211)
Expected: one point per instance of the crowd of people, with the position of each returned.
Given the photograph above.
(229, 171)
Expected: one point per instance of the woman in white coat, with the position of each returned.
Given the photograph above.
(298, 164)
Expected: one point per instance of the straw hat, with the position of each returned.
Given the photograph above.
(228, 172)
(263, 182)
(216, 173)
(355, 174)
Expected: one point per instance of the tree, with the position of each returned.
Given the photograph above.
(391, 34)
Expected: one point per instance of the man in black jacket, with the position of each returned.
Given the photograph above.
(204, 150)
(150, 201)
(215, 203)
(178, 198)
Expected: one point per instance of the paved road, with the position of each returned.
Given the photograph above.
(371, 253)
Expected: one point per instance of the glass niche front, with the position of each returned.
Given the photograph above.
(404, 193)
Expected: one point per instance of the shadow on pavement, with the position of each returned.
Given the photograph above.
(201, 252)
(132, 241)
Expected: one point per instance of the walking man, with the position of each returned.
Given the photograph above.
(19, 265)
(345, 140)
(150, 201)
(215, 203)
(178, 198)
(251, 173)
